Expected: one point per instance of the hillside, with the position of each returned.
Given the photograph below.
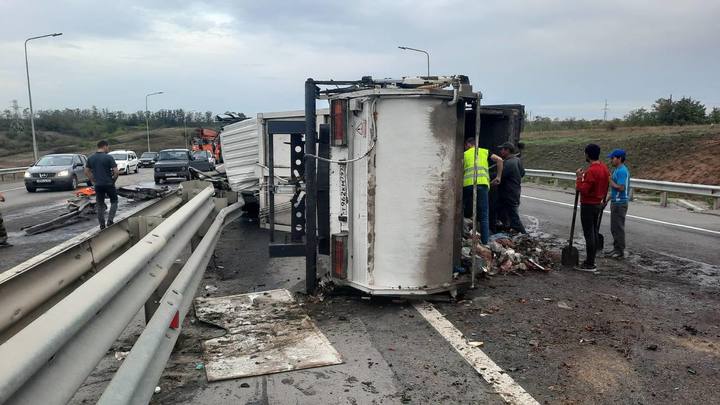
(689, 154)
(53, 142)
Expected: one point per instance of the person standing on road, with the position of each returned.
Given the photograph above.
(102, 170)
(3, 232)
(482, 184)
(509, 189)
(592, 183)
(619, 191)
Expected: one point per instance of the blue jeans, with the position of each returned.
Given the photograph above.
(482, 209)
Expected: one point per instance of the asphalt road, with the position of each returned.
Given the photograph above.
(649, 228)
(22, 209)
(597, 348)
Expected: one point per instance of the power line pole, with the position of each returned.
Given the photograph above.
(605, 110)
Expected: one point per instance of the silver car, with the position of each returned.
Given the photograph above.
(57, 171)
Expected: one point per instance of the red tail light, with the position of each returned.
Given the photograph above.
(339, 254)
(338, 120)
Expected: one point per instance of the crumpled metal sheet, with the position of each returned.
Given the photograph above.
(268, 332)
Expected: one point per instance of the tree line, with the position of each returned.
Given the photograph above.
(97, 123)
(665, 111)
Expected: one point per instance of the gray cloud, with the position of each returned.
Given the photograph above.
(560, 58)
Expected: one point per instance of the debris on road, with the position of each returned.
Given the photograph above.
(507, 253)
(267, 332)
(563, 305)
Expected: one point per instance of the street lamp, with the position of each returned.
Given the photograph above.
(27, 71)
(147, 121)
(406, 48)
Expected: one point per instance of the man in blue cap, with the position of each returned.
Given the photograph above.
(619, 191)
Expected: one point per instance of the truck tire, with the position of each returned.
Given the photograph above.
(30, 189)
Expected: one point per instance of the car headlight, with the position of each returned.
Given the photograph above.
(157, 169)
(63, 173)
(28, 175)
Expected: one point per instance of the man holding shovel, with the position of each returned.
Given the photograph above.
(592, 183)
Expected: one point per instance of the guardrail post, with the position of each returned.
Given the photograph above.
(664, 198)
(556, 182)
(536, 180)
(716, 203)
(153, 302)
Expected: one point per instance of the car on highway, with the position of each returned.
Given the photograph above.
(127, 161)
(57, 171)
(173, 164)
(202, 156)
(148, 159)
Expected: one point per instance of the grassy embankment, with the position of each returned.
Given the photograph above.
(689, 154)
(18, 152)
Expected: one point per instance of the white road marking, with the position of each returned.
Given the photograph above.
(656, 221)
(503, 384)
(12, 189)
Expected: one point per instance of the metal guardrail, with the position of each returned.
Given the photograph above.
(11, 171)
(50, 358)
(663, 187)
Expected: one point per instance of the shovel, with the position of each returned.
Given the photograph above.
(600, 240)
(570, 255)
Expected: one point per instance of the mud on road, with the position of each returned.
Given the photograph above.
(645, 330)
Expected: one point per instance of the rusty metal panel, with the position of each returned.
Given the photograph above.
(268, 332)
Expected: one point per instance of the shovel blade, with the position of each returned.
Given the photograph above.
(570, 256)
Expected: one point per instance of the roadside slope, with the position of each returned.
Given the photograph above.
(686, 154)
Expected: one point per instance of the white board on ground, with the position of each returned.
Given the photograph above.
(267, 332)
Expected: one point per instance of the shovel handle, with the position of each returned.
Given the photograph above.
(572, 225)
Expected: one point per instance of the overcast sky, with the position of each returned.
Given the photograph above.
(559, 58)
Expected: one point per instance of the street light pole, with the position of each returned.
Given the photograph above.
(147, 120)
(406, 48)
(27, 72)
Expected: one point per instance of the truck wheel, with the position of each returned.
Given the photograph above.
(137, 168)
(158, 181)
(30, 189)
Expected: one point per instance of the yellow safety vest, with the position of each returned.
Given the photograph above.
(483, 178)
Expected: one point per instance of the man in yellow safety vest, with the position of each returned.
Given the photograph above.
(482, 181)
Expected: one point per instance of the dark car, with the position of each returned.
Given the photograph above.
(62, 170)
(148, 159)
(204, 161)
(173, 164)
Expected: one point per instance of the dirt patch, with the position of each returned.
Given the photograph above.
(625, 335)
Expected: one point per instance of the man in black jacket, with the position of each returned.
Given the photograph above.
(509, 189)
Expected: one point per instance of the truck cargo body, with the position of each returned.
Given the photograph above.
(245, 147)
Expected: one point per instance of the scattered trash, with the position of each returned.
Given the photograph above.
(210, 288)
(157, 389)
(690, 329)
(476, 344)
(199, 366)
(691, 370)
(534, 342)
(244, 385)
(507, 254)
(120, 356)
(652, 347)
(563, 305)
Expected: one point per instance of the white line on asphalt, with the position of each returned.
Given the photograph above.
(656, 221)
(11, 189)
(503, 384)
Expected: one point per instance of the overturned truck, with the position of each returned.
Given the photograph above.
(374, 184)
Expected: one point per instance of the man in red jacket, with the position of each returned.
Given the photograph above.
(592, 183)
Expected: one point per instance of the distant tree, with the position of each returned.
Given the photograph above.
(714, 115)
(641, 117)
(682, 112)
(663, 109)
(688, 111)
